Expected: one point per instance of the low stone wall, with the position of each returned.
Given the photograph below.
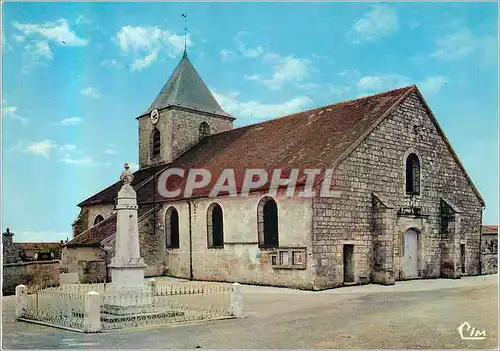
(92, 271)
(489, 253)
(489, 263)
(37, 273)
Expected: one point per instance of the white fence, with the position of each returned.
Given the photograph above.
(51, 307)
(95, 307)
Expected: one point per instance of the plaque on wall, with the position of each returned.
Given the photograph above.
(284, 258)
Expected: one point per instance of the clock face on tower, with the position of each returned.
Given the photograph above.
(154, 116)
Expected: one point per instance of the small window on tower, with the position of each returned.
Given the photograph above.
(204, 130)
(98, 219)
(156, 143)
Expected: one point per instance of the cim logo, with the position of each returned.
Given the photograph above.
(468, 332)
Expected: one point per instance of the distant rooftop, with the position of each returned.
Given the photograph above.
(490, 229)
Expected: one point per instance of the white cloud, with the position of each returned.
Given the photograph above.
(251, 52)
(257, 109)
(67, 148)
(144, 62)
(379, 22)
(382, 82)
(227, 55)
(338, 90)
(40, 148)
(40, 49)
(377, 83)
(433, 84)
(70, 121)
(241, 50)
(82, 20)
(146, 43)
(5, 45)
(85, 161)
(91, 92)
(10, 112)
(285, 70)
(58, 32)
(454, 46)
(40, 235)
(19, 38)
(307, 86)
(109, 63)
(110, 151)
(68, 153)
(88, 161)
(36, 54)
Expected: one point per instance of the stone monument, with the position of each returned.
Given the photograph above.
(127, 266)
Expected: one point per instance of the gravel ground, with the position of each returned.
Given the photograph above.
(414, 314)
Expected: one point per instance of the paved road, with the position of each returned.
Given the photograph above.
(414, 314)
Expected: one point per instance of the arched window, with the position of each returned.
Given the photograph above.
(215, 227)
(98, 219)
(267, 222)
(155, 143)
(172, 228)
(204, 130)
(412, 175)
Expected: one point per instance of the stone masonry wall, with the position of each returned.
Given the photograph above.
(151, 243)
(10, 251)
(41, 273)
(178, 130)
(378, 166)
(87, 216)
(240, 259)
(185, 129)
(146, 128)
(81, 222)
(489, 254)
(105, 210)
(70, 256)
(90, 272)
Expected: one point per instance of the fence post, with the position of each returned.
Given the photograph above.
(21, 300)
(152, 290)
(236, 301)
(92, 315)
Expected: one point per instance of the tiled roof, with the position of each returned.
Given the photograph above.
(37, 246)
(185, 88)
(310, 139)
(94, 235)
(109, 194)
(490, 229)
(318, 138)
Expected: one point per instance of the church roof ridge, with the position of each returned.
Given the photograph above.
(186, 88)
(311, 110)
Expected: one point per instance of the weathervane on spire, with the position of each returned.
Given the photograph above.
(184, 15)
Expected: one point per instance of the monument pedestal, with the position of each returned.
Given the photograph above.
(127, 293)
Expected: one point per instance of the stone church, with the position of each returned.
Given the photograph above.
(407, 208)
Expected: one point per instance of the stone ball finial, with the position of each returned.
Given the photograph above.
(126, 177)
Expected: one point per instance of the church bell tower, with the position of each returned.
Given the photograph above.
(183, 112)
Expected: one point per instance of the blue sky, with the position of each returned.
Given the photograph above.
(76, 75)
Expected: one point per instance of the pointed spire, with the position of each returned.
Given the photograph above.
(185, 88)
